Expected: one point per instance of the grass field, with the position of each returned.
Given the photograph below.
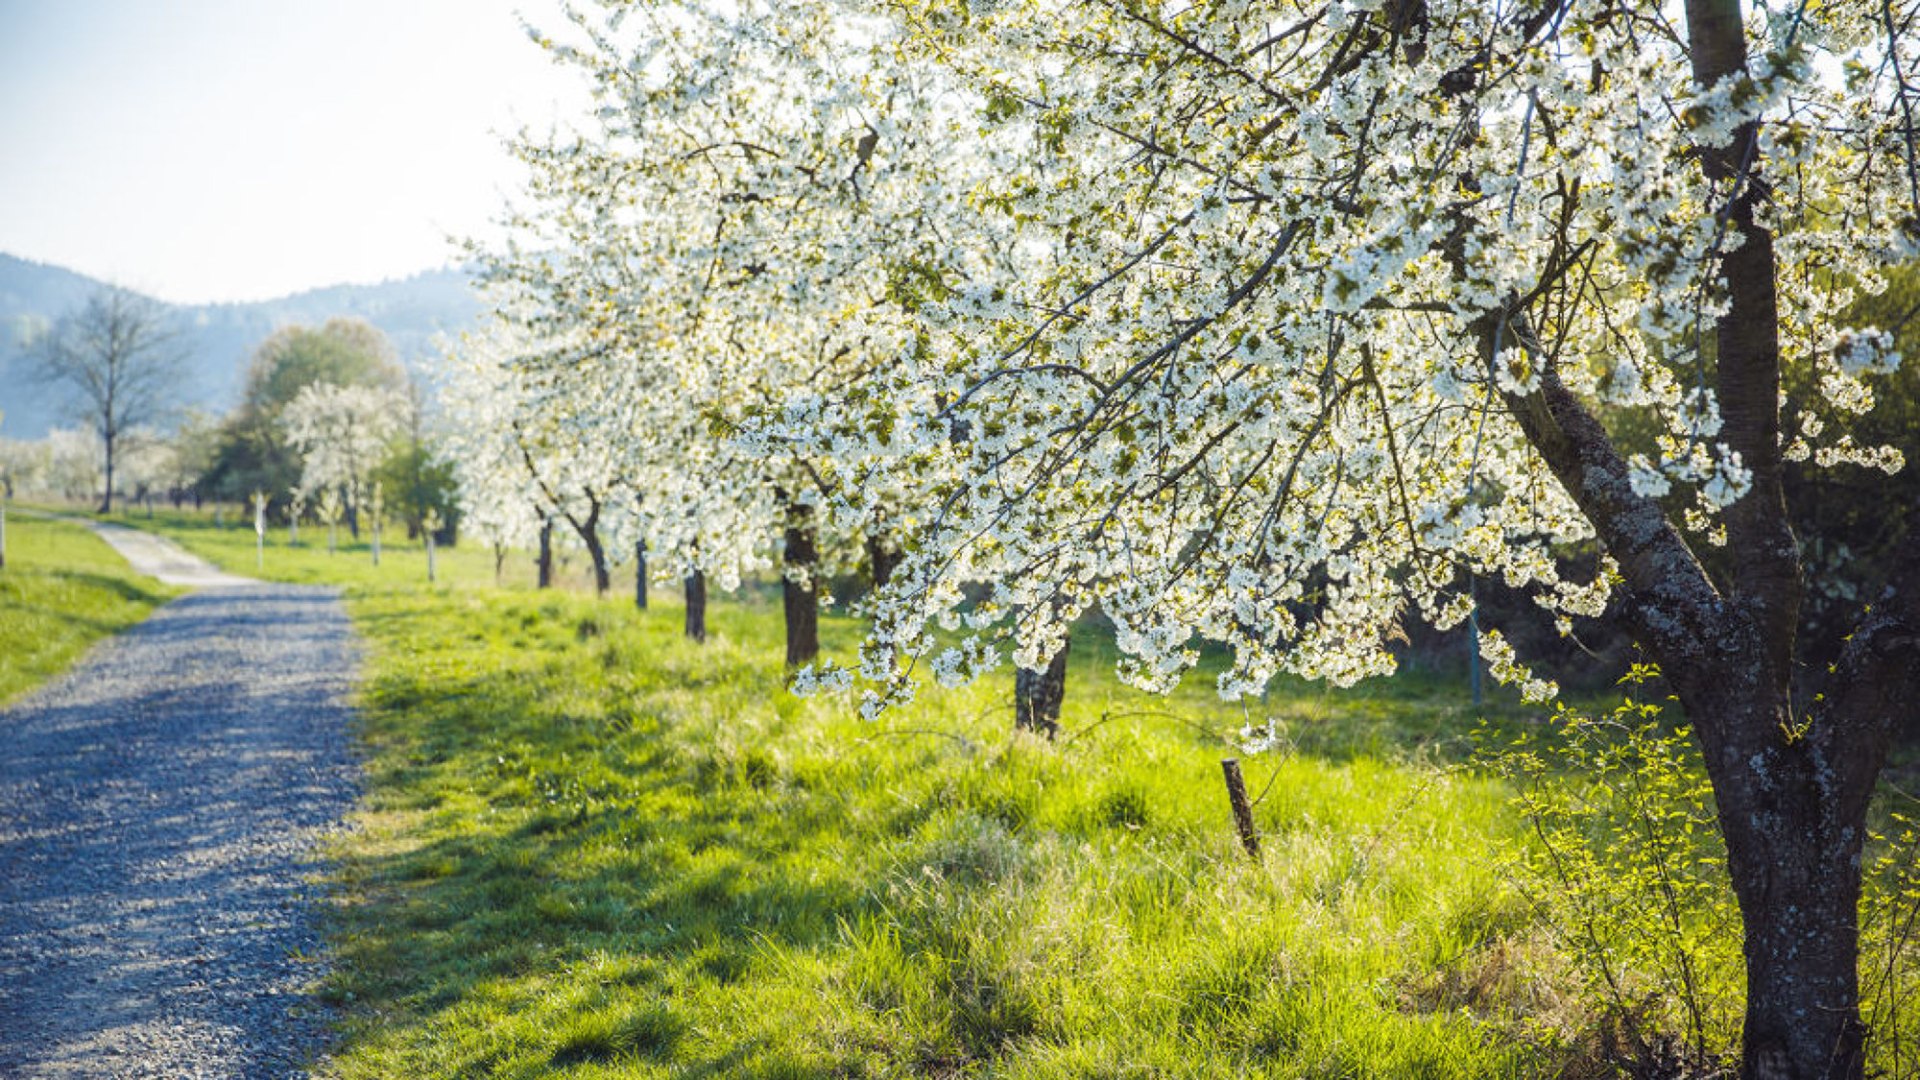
(62, 589)
(590, 848)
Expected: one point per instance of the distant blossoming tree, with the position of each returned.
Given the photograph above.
(341, 434)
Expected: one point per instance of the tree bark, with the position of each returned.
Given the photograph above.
(800, 587)
(1037, 695)
(543, 566)
(697, 605)
(1793, 794)
(602, 577)
(1791, 789)
(589, 532)
(640, 574)
(883, 558)
(1794, 861)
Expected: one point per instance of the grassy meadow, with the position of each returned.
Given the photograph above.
(590, 848)
(62, 589)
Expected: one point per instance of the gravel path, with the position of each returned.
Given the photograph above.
(159, 557)
(159, 807)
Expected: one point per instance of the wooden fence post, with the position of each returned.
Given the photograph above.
(1242, 809)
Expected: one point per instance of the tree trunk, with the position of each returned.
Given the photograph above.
(589, 533)
(602, 579)
(1794, 828)
(1799, 902)
(883, 558)
(800, 587)
(1791, 787)
(543, 566)
(1037, 695)
(640, 574)
(1792, 790)
(106, 498)
(697, 605)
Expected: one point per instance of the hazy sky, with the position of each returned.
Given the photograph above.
(203, 150)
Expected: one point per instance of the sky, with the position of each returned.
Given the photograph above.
(228, 150)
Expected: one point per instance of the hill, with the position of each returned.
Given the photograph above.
(216, 338)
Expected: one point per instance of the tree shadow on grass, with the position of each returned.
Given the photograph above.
(590, 848)
(576, 841)
(131, 590)
(97, 627)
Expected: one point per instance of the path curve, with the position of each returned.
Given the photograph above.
(159, 810)
(161, 558)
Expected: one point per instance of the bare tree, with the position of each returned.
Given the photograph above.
(116, 356)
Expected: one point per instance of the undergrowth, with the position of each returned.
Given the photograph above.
(1626, 868)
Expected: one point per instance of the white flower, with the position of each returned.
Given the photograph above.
(1866, 352)
(1646, 481)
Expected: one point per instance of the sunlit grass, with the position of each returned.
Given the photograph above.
(62, 589)
(593, 845)
(590, 848)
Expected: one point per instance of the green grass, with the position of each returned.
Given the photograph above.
(593, 849)
(62, 589)
(590, 848)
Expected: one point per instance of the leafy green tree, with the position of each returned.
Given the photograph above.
(253, 454)
(421, 482)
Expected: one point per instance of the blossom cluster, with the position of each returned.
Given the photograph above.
(341, 434)
(1234, 321)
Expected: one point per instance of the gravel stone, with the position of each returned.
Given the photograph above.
(160, 807)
